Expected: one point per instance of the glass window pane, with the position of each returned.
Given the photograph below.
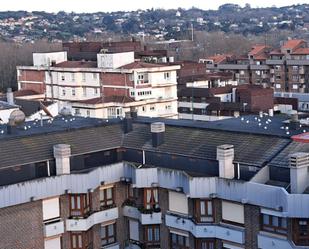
(174, 238)
(202, 205)
(283, 223)
(157, 234)
(111, 230)
(109, 193)
(80, 243)
(74, 241)
(78, 202)
(103, 232)
(149, 234)
(265, 219)
(275, 221)
(209, 208)
(72, 202)
(155, 195)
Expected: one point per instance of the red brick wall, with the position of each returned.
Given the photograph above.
(32, 75)
(115, 91)
(21, 226)
(116, 79)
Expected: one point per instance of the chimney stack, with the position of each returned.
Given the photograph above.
(127, 123)
(299, 177)
(10, 96)
(62, 153)
(225, 156)
(157, 133)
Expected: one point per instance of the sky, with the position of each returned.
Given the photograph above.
(115, 5)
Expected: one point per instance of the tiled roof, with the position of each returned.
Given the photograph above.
(257, 49)
(291, 44)
(139, 64)
(301, 51)
(107, 99)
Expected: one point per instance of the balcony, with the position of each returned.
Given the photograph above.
(266, 240)
(53, 228)
(96, 218)
(219, 231)
(146, 218)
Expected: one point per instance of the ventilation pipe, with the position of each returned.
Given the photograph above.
(10, 96)
(157, 133)
(62, 153)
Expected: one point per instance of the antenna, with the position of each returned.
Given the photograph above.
(192, 32)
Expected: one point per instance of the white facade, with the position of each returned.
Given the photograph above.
(114, 60)
(46, 59)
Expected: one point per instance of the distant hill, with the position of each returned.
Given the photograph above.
(229, 18)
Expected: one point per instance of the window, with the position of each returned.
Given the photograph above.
(179, 241)
(76, 240)
(83, 77)
(178, 202)
(63, 91)
(108, 234)
(62, 77)
(142, 78)
(233, 212)
(274, 224)
(295, 68)
(242, 72)
(167, 75)
(152, 235)
(152, 108)
(84, 91)
(51, 210)
(205, 244)
(132, 192)
(106, 197)
(143, 108)
(295, 86)
(88, 113)
(72, 77)
(151, 200)
(301, 232)
(96, 91)
(204, 210)
(77, 112)
(79, 204)
(73, 92)
(94, 76)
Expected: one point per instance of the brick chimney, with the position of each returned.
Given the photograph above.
(225, 156)
(62, 153)
(157, 133)
(299, 176)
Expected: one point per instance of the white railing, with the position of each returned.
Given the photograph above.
(94, 219)
(144, 218)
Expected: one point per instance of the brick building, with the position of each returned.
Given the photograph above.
(83, 183)
(285, 68)
(105, 88)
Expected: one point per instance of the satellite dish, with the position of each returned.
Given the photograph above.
(17, 117)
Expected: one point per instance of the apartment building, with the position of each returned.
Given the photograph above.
(284, 69)
(210, 104)
(82, 183)
(105, 88)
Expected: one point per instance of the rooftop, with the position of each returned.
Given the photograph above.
(77, 64)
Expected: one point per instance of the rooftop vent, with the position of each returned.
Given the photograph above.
(10, 96)
(127, 123)
(157, 132)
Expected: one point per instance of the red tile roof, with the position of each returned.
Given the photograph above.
(257, 49)
(219, 58)
(140, 64)
(291, 44)
(77, 64)
(107, 99)
(301, 51)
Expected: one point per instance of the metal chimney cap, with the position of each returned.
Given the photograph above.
(157, 127)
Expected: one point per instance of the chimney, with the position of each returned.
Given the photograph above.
(294, 122)
(10, 96)
(157, 133)
(133, 112)
(62, 153)
(299, 177)
(225, 156)
(127, 123)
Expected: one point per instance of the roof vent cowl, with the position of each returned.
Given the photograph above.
(157, 133)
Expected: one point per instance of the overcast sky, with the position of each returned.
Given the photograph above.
(114, 5)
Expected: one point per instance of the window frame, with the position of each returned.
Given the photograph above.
(204, 218)
(153, 202)
(185, 241)
(152, 243)
(273, 228)
(84, 201)
(107, 235)
(104, 201)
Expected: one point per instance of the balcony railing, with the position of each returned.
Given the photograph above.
(219, 231)
(78, 224)
(146, 218)
(53, 228)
